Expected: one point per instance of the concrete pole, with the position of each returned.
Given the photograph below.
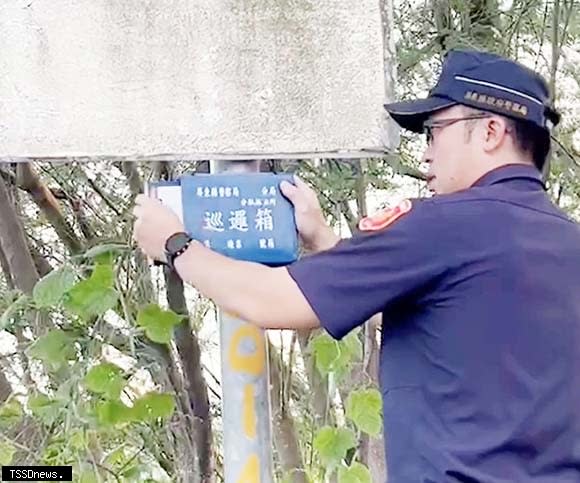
(246, 405)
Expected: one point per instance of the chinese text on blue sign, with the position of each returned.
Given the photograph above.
(242, 216)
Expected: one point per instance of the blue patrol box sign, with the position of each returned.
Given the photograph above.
(242, 216)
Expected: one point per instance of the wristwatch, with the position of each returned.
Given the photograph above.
(176, 245)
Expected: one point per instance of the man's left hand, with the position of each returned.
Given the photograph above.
(154, 224)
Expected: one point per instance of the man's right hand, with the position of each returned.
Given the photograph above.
(315, 233)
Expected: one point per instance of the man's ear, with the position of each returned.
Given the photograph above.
(496, 130)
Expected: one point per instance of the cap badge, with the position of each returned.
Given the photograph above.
(497, 102)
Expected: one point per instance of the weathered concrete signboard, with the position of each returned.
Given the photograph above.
(190, 79)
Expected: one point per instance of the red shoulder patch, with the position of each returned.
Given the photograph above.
(385, 217)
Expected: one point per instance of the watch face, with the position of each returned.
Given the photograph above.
(176, 242)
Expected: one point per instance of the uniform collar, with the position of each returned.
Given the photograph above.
(511, 172)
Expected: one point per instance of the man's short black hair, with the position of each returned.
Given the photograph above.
(531, 139)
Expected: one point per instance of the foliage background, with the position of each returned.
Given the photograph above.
(111, 367)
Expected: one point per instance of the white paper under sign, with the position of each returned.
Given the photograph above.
(190, 79)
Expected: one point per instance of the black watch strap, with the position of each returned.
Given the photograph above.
(176, 245)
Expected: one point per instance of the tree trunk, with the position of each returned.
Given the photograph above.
(14, 245)
(130, 171)
(18, 263)
(23, 272)
(29, 181)
(136, 186)
(42, 266)
(190, 355)
(5, 387)
(6, 270)
(443, 22)
(285, 438)
(480, 23)
(319, 399)
(553, 71)
(372, 450)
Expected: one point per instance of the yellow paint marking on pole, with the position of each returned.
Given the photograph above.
(251, 471)
(254, 363)
(249, 411)
(247, 438)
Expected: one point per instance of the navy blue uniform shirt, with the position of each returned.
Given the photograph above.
(480, 352)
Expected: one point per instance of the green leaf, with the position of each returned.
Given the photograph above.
(54, 449)
(103, 276)
(350, 351)
(11, 413)
(88, 476)
(153, 406)
(6, 453)
(363, 408)
(132, 473)
(13, 309)
(332, 444)
(106, 253)
(116, 458)
(113, 413)
(335, 356)
(106, 379)
(94, 296)
(158, 323)
(353, 346)
(50, 290)
(54, 349)
(66, 390)
(326, 353)
(356, 473)
(77, 440)
(106, 249)
(45, 408)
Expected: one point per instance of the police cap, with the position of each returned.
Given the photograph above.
(484, 81)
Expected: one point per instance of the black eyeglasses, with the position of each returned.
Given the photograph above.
(428, 126)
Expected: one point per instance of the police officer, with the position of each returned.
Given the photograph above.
(479, 286)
